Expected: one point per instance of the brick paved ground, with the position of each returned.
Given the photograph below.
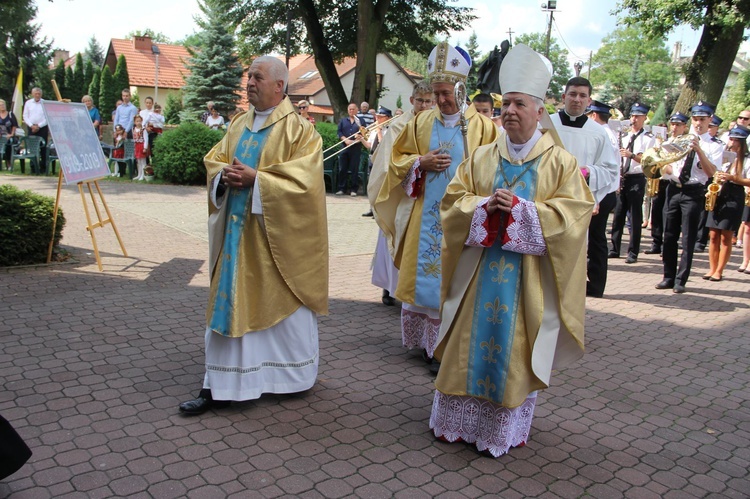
(93, 365)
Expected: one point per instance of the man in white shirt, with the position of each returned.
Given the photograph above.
(33, 116)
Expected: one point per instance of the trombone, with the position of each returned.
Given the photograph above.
(364, 131)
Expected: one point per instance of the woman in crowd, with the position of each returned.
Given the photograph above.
(8, 125)
(215, 121)
(96, 118)
(303, 106)
(726, 216)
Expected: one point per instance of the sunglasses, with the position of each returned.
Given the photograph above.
(303, 107)
(424, 101)
(743, 117)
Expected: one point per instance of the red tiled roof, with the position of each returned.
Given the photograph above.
(142, 63)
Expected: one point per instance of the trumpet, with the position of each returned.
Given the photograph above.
(364, 131)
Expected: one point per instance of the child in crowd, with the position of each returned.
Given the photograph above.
(141, 145)
(154, 126)
(118, 135)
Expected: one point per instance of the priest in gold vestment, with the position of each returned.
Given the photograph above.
(423, 161)
(268, 249)
(515, 219)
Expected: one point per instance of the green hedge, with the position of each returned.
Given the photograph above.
(178, 153)
(329, 133)
(26, 226)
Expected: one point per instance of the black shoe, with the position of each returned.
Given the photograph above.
(388, 299)
(426, 357)
(700, 248)
(201, 404)
(631, 259)
(368, 214)
(679, 288)
(613, 254)
(435, 368)
(665, 284)
(654, 250)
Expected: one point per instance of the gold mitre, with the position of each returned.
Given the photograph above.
(497, 100)
(526, 71)
(448, 64)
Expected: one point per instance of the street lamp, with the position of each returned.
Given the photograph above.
(156, 52)
(578, 66)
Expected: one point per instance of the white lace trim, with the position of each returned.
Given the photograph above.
(490, 426)
(478, 232)
(419, 331)
(411, 178)
(525, 232)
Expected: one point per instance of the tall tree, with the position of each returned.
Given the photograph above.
(78, 89)
(723, 23)
(59, 76)
(557, 56)
(738, 98)
(472, 47)
(173, 108)
(121, 76)
(88, 75)
(335, 29)
(94, 52)
(93, 90)
(107, 96)
(69, 84)
(633, 67)
(156, 36)
(215, 71)
(22, 47)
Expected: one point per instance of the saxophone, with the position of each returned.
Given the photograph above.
(655, 158)
(713, 192)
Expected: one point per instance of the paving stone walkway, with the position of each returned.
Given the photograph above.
(93, 365)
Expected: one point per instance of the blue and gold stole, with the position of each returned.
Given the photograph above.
(428, 275)
(239, 205)
(497, 300)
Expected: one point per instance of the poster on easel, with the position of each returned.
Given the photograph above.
(76, 141)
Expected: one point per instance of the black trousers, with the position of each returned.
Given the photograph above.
(702, 229)
(597, 251)
(44, 134)
(681, 216)
(349, 166)
(657, 215)
(631, 200)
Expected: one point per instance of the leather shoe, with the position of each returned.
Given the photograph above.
(654, 250)
(715, 279)
(699, 248)
(665, 284)
(613, 254)
(368, 214)
(679, 288)
(388, 299)
(631, 259)
(201, 405)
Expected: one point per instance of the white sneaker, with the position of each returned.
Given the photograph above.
(340, 193)
(353, 194)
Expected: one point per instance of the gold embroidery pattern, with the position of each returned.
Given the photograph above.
(496, 308)
(491, 349)
(500, 266)
(248, 144)
(488, 386)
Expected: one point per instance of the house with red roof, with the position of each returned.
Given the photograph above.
(155, 69)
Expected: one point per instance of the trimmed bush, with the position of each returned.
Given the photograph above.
(178, 153)
(329, 132)
(26, 226)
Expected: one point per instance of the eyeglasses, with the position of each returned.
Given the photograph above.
(302, 107)
(743, 117)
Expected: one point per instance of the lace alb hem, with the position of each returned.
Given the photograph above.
(410, 182)
(478, 231)
(524, 232)
(419, 331)
(488, 425)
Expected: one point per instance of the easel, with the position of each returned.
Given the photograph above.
(91, 226)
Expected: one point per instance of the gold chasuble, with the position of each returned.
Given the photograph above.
(547, 314)
(400, 216)
(282, 258)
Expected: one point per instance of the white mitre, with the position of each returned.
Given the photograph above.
(448, 64)
(526, 71)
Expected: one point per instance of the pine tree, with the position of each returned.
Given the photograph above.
(173, 108)
(215, 71)
(94, 53)
(472, 47)
(69, 84)
(121, 77)
(94, 86)
(88, 76)
(60, 78)
(78, 88)
(107, 97)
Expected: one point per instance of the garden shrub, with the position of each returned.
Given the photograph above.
(178, 153)
(329, 133)
(26, 226)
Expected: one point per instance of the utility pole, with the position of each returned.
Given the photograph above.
(591, 55)
(550, 7)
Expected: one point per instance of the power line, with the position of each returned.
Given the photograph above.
(557, 28)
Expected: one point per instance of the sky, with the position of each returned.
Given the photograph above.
(579, 25)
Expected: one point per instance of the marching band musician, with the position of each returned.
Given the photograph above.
(424, 159)
(630, 198)
(677, 128)
(685, 199)
(724, 220)
(713, 131)
(589, 143)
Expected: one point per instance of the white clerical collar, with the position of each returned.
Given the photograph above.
(518, 152)
(450, 120)
(571, 118)
(260, 118)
